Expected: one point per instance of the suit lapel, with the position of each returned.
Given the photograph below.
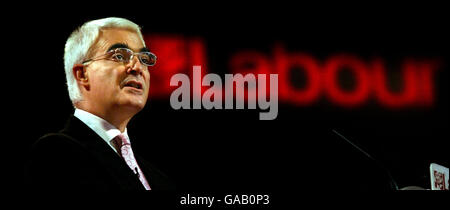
(103, 154)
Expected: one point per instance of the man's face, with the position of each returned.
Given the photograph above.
(116, 86)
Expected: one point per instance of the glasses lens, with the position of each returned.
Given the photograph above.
(122, 55)
(147, 58)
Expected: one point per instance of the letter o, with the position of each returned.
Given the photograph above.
(334, 92)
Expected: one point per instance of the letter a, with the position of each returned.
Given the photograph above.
(183, 90)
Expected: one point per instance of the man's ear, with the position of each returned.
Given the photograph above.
(80, 74)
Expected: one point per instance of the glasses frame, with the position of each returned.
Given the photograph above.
(114, 51)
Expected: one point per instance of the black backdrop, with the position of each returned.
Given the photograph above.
(231, 150)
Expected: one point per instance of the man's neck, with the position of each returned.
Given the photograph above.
(115, 118)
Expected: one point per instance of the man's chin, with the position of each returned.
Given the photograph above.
(138, 106)
(135, 105)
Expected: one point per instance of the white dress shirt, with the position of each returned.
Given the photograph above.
(100, 126)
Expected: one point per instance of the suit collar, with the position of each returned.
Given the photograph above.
(103, 153)
(101, 127)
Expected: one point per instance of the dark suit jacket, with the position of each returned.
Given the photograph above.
(76, 158)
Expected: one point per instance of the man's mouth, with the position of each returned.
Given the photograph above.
(133, 84)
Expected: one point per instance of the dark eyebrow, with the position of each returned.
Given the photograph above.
(118, 45)
(123, 45)
(144, 49)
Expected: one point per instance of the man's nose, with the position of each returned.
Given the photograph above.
(136, 67)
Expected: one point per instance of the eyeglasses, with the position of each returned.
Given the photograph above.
(124, 55)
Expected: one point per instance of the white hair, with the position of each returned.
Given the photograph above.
(79, 43)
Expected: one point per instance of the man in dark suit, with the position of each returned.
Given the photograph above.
(107, 66)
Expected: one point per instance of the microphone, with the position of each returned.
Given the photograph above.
(136, 172)
(392, 183)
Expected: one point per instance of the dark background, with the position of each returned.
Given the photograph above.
(231, 150)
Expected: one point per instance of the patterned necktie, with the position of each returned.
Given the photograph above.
(127, 154)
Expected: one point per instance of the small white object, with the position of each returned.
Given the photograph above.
(439, 177)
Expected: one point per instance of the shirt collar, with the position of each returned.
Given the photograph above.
(104, 129)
